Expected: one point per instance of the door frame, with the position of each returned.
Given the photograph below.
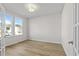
(76, 30)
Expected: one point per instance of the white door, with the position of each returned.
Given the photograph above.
(2, 34)
(76, 30)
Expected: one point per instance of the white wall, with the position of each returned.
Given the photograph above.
(67, 28)
(46, 28)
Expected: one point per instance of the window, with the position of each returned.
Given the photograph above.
(8, 25)
(14, 27)
(18, 26)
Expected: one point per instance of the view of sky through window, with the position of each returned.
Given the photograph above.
(18, 21)
(8, 24)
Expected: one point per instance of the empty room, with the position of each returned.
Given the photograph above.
(39, 29)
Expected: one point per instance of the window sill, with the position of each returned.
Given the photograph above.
(8, 36)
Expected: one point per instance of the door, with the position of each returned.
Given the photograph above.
(2, 34)
(76, 30)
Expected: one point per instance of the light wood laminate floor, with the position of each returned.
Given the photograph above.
(35, 48)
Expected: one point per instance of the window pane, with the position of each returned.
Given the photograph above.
(18, 26)
(8, 25)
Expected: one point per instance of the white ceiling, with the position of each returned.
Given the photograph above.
(44, 9)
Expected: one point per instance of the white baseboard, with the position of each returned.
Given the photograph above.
(67, 54)
(45, 41)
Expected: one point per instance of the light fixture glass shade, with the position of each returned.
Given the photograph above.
(31, 7)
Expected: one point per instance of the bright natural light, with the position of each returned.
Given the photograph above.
(8, 24)
(18, 26)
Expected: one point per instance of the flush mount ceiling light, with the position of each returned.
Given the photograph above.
(31, 7)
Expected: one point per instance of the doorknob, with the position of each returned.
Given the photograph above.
(70, 42)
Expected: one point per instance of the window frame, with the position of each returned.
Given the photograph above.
(11, 24)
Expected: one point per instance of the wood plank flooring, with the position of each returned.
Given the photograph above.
(35, 48)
